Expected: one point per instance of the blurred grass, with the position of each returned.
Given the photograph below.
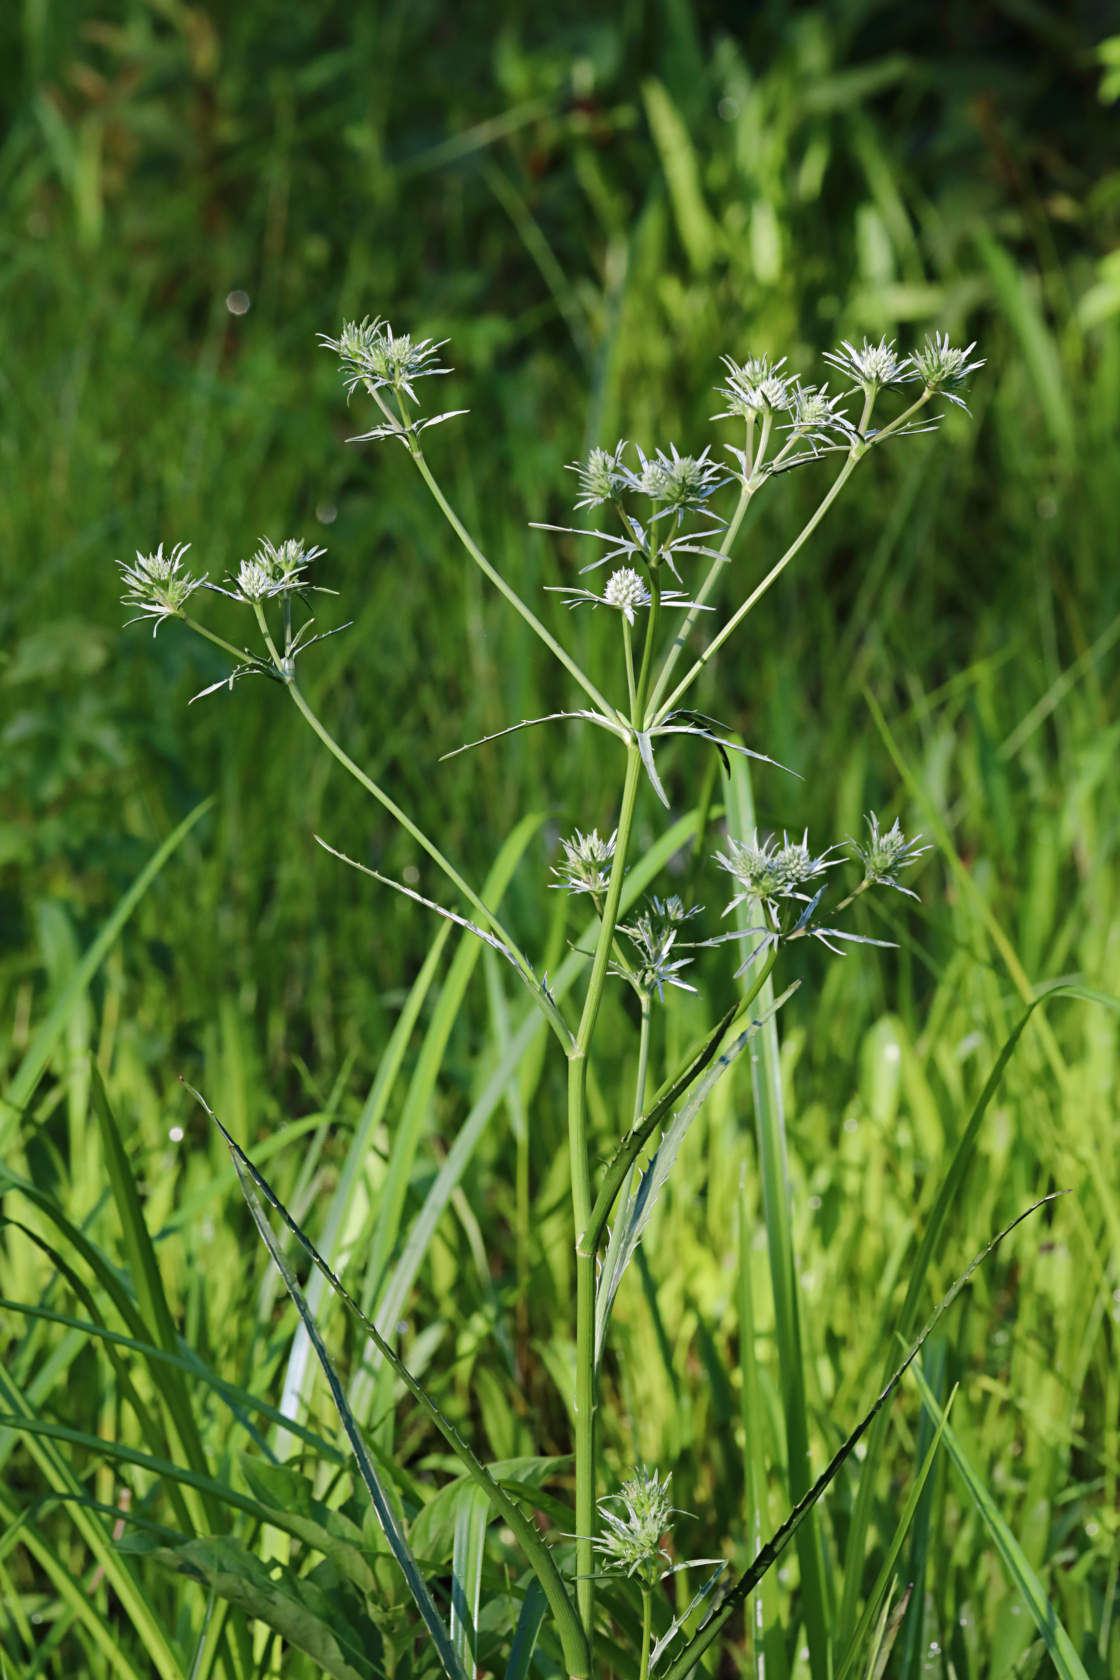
(593, 213)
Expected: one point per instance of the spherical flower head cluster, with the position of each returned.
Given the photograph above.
(632, 1541)
(679, 482)
(884, 855)
(771, 871)
(602, 476)
(653, 935)
(872, 366)
(157, 585)
(940, 365)
(585, 866)
(273, 570)
(374, 356)
(626, 592)
(815, 415)
(755, 387)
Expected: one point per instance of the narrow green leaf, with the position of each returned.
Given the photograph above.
(60, 1476)
(38, 1052)
(382, 1504)
(635, 1212)
(777, 1543)
(876, 1596)
(770, 1131)
(538, 1554)
(144, 1272)
(466, 1573)
(1022, 1576)
(525, 1633)
(951, 1188)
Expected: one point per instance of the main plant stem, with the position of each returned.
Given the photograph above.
(580, 1166)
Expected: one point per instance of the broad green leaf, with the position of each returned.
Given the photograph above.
(328, 1626)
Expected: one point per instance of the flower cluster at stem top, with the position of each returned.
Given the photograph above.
(374, 356)
(631, 1541)
(784, 878)
(275, 569)
(157, 585)
(656, 962)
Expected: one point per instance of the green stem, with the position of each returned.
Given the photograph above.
(647, 1625)
(240, 654)
(580, 1169)
(643, 1057)
(628, 649)
(511, 595)
(489, 919)
(680, 640)
(757, 593)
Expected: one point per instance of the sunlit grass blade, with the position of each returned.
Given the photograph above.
(633, 1216)
(60, 1475)
(777, 1543)
(382, 1503)
(525, 1036)
(22, 1085)
(466, 1573)
(151, 1300)
(770, 1132)
(74, 1596)
(767, 1636)
(1057, 1641)
(540, 1558)
(932, 1238)
(854, 1652)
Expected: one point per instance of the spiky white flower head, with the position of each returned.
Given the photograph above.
(754, 387)
(680, 482)
(884, 855)
(940, 366)
(626, 592)
(602, 476)
(373, 355)
(771, 871)
(653, 935)
(632, 1540)
(816, 417)
(157, 584)
(272, 570)
(585, 866)
(872, 366)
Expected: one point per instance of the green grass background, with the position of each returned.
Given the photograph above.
(592, 207)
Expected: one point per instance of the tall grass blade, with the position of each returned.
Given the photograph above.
(777, 1543)
(524, 1038)
(1054, 1636)
(144, 1273)
(635, 1212)
(770, 1131)
(768, 1646)
(947, 1196)
(380, 1500)
(26, 1077)
(882, 1582)
(538, 1554)
(60, 1476)
(525, 1634)
(466, 1574)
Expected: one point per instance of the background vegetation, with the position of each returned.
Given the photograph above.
(593, 207)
